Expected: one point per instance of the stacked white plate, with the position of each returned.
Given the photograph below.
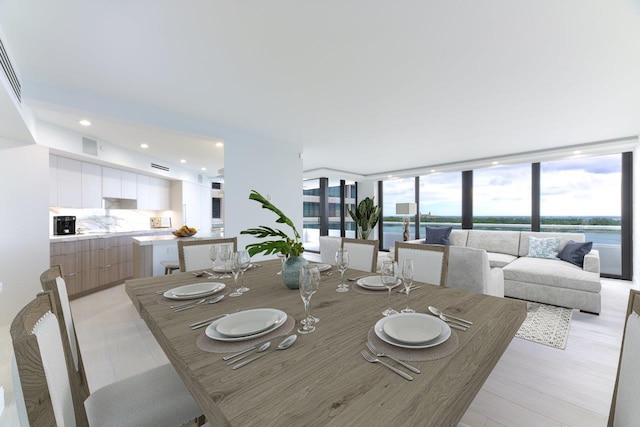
(246, 325)
(374, 283)
(196, 290)
(412, 330)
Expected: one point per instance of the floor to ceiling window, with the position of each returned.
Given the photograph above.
(441, 200)
(396, 191)
(311, 214)
(502, 198)
(584, 195)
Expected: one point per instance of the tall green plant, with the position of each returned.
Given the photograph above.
(285, 244)
(365, 216)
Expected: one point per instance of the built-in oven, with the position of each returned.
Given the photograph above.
(64, 225)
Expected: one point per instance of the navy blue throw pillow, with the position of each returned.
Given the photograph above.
(574, 252)
(438, 236)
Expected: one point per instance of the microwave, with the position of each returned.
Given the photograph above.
(64, 225)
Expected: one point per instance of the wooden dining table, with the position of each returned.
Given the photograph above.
(323, 379)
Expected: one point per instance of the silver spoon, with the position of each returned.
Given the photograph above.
(286, 343)
(438, 313)
(211, 301)
(184, 304)
(260, 349)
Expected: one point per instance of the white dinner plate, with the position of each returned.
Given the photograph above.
(413, 328)
(212, 333)
(374, 283)
(212, 288)
(222, 269)
(379, 331)
(248, 322)
(322, 267)
(195, 289)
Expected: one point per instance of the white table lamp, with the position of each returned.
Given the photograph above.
(406, 209)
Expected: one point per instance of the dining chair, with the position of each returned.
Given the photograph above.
(194, 254)
(625, 410)
(363, 254)
(430, 262)
(329, 245)
(50, 390)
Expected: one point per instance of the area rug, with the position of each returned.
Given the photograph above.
(546, 324)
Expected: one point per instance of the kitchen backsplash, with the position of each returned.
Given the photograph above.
(107, 221)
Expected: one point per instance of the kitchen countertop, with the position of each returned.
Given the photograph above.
(160, 232)
(169, 238)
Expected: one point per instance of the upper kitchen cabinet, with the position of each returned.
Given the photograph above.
(153, 193)
(69, 183)
(91, 186)
(118, 184)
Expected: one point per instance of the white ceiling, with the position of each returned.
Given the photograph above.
(366, 87)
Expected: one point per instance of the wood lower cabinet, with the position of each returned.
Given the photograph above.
(92, 264)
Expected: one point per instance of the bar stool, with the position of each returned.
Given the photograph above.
(170, 266)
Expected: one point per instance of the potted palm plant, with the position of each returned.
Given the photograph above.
(365, 216)
(280, 242)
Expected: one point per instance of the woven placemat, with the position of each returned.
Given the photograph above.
(419, 354)
(204, 343)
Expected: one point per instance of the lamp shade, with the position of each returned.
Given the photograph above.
(406, 209)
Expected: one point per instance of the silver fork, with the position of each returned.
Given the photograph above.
(403, 290)
(379, 353)
(372, 359)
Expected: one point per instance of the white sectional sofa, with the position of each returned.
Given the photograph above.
(549, 281)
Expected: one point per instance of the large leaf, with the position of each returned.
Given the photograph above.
(282, 218)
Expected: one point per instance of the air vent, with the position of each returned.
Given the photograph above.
(10, 73)
(157, 166)
(89, 146)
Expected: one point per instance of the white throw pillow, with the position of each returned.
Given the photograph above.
(544, 248)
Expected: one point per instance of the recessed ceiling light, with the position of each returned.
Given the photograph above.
(84, 122)
(183, 161)
(495, 163)
(433, 170)
(204, 169)
(219, 144)
(144, 145)
(389, 176)
(577, 152)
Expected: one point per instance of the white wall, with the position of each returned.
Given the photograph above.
(636, 216)
(24, 215)
(272, 169)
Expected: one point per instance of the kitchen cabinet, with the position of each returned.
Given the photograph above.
(118, 184)
(92, 264)
(91, 185)
(153, 193)
(195, 204)
(69, 183)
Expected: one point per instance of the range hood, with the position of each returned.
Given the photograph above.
(111, 203)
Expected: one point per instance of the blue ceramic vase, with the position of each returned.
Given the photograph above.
(291, 271)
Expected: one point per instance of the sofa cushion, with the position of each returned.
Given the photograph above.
(574, 252)
(497, 260)
(504, 242)
(551, 272)
(546, 247)
(564, 239)
(458, 237)
(437, 235)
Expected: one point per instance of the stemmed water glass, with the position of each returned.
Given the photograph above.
(342, 262)
(407, 280)
(309, 280)
(388, 277)
(213, 254)
(225, 252)
(235, 270)
(283, 258)
(244, 260)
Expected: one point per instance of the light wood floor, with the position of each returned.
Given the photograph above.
(532, 385)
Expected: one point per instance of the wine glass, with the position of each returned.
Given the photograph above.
(283, 258)
(309, 280)
(244, 260)
(235, 270)
(213, 254)
(342, 262)
(224, 253)
(407, 280)
(388, 277)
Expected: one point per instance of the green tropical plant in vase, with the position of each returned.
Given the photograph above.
(280, 242)
(365, 216)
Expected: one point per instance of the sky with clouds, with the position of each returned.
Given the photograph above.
(588, 186)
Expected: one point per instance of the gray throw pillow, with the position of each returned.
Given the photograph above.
(574, 252)
(438, 236)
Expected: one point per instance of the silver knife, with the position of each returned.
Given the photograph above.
(206, 322)
(455, 326)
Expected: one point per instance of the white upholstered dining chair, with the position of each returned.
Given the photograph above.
(625, 410)
(50, 391)
(329, 245)
(363, 254)
(194, 254)
(430, 262)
